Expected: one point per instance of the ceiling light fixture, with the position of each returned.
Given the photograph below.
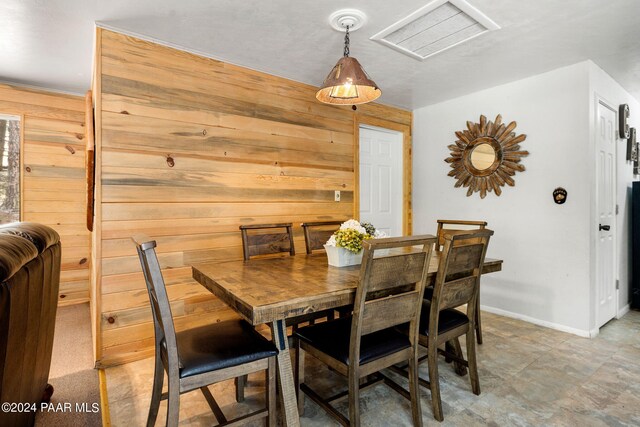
(347, 83)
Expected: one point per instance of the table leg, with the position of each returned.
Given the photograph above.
(288, 401)
(453, 346)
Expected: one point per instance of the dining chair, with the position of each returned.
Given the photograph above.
(457, 283)
(198, 357)
(265, 240)
(261, 239)
(389, 294)
(316, 234)
(454, 226)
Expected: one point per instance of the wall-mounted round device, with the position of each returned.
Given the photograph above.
(559, 195)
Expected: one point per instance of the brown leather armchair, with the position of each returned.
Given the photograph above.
(29, 282)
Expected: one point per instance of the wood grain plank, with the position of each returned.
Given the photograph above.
(39, 111)
(41, 98)
(141, 211)
(192, 194)
(121, 176)
(189, 161)
(184, 226)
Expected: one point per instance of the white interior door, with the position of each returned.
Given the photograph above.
(605, 190)
(381, 179)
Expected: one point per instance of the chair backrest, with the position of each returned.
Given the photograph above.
(459, 271)
(260, 239)
(165, 334)
(391, 286)
(316, 234)
(455, 226)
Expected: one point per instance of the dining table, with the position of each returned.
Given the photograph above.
(273, 290)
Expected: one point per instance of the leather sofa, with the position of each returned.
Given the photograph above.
(29, 282)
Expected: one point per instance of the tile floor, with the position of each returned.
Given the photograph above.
(529, 375)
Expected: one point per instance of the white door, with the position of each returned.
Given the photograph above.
(381, 179)
(606, 205)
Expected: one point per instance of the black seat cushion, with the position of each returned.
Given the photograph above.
(221, 345)
(449, 319)
(332, 338)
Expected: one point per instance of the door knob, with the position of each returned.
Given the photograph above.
(604, 227)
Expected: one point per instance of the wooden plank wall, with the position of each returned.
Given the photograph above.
(53, 175)
(190, 148)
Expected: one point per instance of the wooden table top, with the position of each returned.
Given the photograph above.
(264, 290)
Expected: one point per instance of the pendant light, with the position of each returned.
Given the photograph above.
(347, 83)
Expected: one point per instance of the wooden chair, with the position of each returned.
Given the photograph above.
(390, 293)
(198, 357)
(263, 240)
(457, 283)
(316, 234)
(257, 242)
(453, 226)
(456, 226)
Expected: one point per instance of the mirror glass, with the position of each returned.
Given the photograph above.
(483, 156)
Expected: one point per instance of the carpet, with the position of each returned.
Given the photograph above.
(76, 397)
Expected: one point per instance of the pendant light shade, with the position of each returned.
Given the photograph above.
(347, 83)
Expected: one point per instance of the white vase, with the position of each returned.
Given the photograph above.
(341, 257)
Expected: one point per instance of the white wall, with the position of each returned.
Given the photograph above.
(602, 86)
(545, 247)
(548, 249)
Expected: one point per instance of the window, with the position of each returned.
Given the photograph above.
(9, 168)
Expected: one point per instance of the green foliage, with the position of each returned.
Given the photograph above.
(371, 230)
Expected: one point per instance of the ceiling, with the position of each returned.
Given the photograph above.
(49, 43)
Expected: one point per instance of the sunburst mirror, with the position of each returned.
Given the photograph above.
(486, 156)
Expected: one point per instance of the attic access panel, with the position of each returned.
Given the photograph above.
(434, 28)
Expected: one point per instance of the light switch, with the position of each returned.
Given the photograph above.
(337, 196)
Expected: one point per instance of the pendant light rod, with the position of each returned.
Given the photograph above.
(346, 42)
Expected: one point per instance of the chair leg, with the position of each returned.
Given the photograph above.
(271, 392)
(354, 399)
(478, 322)
(414, 389)
(241, 383)
(173, 402)
(299, 376)
(158, 380)
(473, 364)
(434, 382)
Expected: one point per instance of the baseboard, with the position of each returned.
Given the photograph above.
(104, 399)
(624, 310)
(551, 325)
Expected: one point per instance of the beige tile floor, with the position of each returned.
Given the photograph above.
(529, 375)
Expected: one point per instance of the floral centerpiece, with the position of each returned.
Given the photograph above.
(344, 247)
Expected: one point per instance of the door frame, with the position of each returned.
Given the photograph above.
(358, 120)
(601, 101)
